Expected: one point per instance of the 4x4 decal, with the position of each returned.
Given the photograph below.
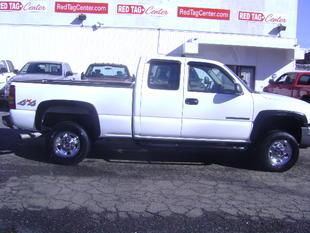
(27, 102)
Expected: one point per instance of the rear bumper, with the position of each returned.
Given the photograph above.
(305, 136)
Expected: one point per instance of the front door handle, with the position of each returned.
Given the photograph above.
(191, 101)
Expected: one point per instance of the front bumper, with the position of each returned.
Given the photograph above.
(305, 136)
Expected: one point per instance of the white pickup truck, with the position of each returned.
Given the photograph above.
(175, 101)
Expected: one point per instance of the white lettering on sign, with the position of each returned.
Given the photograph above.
(140, 9)
(203, 13)
(82, 7)
(18, 6)
(260, 17)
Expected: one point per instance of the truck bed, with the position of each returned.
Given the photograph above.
(111, 101)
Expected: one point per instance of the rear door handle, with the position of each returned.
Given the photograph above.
(191, 101)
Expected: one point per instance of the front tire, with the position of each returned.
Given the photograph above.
(68, 143)
(278, 152)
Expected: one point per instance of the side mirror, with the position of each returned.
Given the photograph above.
(271, 81)
(15, 71)
(238, 89)
(68, 73)
(3, 70)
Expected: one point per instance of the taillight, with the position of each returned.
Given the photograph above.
(11, 97)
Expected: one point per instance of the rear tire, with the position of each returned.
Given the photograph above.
(68, 143)
(278, 152)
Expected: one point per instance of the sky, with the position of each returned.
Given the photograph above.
(303, 27)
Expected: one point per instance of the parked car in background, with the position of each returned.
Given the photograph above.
(6, 72)
(106, 72)
(293, 84)
(44, 69)
(41, 70)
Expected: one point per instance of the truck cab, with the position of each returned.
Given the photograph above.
(191, 100)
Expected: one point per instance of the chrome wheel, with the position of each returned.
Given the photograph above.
(66, 144)
(280, 153)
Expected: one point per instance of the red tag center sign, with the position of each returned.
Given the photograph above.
(130, 9)
(81, 7)
(203, 13)
(11, 6)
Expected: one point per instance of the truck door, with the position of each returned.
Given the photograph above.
(158, 103)
(212, 108)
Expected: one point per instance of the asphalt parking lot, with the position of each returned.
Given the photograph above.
(136, 190)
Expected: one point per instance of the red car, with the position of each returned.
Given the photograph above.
(293, 84)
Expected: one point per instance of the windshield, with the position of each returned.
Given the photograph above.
(109, 71)
(42, 68)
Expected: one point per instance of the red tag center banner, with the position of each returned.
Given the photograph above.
(203, 13)
(82, 7)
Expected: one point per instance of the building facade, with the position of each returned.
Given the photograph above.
(256, 39)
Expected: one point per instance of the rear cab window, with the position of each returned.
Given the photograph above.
(107, 71)
(42, 68)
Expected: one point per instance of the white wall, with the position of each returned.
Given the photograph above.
(77, 45)
(268, 61)
(81, 46)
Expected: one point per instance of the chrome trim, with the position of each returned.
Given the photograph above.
(192, 139)
(280, 153)
(66, 145)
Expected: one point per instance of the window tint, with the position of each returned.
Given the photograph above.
(42, 68)
(164, 75)
(304, 80)
(286, 79)
(209, 78)
(104, 70)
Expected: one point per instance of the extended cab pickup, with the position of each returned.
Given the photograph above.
(293, 84)
(175, 101)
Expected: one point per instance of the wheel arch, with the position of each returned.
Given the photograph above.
(49, 113)
(287, 121)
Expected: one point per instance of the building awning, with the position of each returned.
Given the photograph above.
(247, 40)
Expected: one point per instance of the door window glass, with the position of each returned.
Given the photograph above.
(286, 79)
(304, 80)
(209, 78)
(164, 75)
